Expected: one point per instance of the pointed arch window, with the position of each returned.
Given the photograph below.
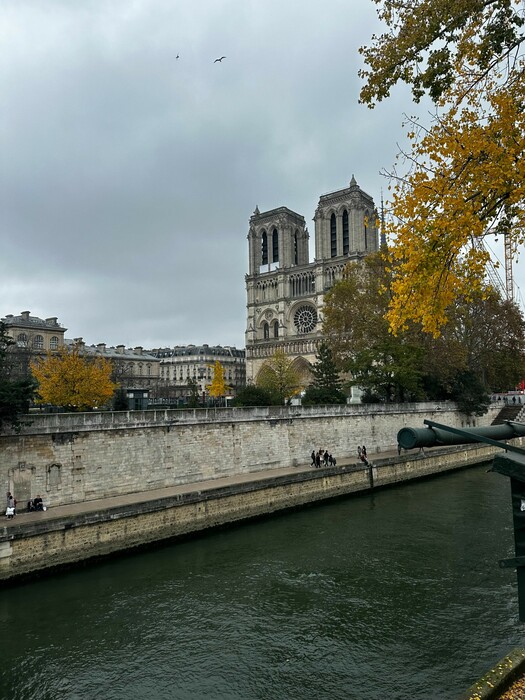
(275, 246)
(264, 248)
(266, 331)
(276, 329)
(296, 248)
(346, 236)
(333, 236)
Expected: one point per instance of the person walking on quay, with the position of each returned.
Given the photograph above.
(11, 505)
(363, 452)
(313, 458)
(318, 460)
(359, 451)
(325, 458)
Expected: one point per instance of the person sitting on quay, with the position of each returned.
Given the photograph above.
(38, 503)
(35, 504)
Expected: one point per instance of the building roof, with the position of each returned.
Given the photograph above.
(25, 320)
(120, 352)
(193, 350)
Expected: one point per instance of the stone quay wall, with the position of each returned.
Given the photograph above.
(77, 457)
(40, 545)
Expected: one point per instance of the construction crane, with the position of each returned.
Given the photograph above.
(507, 287)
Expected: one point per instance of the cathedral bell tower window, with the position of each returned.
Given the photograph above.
(266, 331)
(275, 246)
(346, 239)
(333, 236)
(264, 248)
(276, 329)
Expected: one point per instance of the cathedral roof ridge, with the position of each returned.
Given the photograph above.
(353, 187)
(272, 212)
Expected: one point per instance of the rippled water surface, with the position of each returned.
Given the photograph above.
(395, 595)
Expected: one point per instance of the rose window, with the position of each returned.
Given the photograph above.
(305, 319)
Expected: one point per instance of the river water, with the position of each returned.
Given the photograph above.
(392, 595)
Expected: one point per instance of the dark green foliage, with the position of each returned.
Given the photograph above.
(15, 395)
(470, 394)
(120, 400)
(193, 400)
(254, 396)
(326, 387)
(314, 396)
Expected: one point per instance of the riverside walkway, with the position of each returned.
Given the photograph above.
(116, 502)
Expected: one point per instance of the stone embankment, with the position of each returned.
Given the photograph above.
(77, 457)
(65, 535)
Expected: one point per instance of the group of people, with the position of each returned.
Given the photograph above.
(322, 458)
(361, 453)
(34, 504)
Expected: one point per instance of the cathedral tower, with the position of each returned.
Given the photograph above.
(284, 290)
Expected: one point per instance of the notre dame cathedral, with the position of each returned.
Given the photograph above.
(284, 289)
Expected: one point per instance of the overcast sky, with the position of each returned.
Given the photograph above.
(128, 175)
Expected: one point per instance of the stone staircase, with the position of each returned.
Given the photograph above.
(515, 412)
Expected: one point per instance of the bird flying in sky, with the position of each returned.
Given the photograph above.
(219, 59)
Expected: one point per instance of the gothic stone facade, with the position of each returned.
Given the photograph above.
(284, 290)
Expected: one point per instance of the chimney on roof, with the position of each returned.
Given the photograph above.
(52, 321)
(120, 349)
(101, 347)
(25, 315)
(139, 349)
(79, 342)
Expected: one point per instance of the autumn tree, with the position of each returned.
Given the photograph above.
(386, 368)
(15, 393)
(280, 378)
(482, 346)
(464, 174)
(326, 387)
(218, 387)
(74, 381)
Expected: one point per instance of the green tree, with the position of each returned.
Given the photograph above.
(120, 400)
(280, 378)
(465, 174)
(253, 396)
(15, 395)
(386, 367)
(326, 387)
(470, 394)
(193, 399)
